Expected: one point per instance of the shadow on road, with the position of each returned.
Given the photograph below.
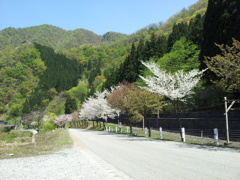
(204, 147)
(125, 137)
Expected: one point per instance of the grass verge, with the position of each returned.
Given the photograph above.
(44, 144)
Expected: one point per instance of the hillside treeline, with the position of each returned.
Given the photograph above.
(51, 70)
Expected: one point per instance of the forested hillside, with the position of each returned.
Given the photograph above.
(50, 70)
(54, 37)
(185, 48)
(33, 76)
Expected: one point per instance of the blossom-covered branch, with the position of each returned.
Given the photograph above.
(63, 119)
(97, 108)
(174, 86)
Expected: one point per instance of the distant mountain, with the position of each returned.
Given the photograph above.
(54, 37)
(113, 37)
(60, 39)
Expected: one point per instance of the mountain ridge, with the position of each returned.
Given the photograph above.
(61, 39)
(52, 36)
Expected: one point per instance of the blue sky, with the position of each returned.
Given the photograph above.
(99, 16)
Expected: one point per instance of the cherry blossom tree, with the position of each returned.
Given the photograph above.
(175, 86)
(97, 108)
(62, 120)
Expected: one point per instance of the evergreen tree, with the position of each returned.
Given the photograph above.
(150, 47)
(89, 65)
(179, 30)
(70, 105)
(141, 50)
(183, 56)
(92, 76)
(195, 27)
(129, 68)
(220, 26)
(111, 80)
(161, 46)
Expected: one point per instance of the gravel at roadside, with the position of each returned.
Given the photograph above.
(69, 164)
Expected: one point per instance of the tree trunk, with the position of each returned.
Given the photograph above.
(104, 125)
(178, 119)
(148, 126)
(130, 129)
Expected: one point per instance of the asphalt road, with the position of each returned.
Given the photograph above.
(141, 158)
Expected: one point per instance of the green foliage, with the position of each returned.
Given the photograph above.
(220, 26)
(57, 104)
(178, 31)
(54, 37)
(61, 74)
(99, 88)
(130, 69)
(48, 126)
(70, 105)
(2, 135)
(15, 110)
(166, 28)
(113, 37)
(4, 128)
(75, 97)
(204, 98)
(80, 92)
(183, 55)
(34, 76)
(16, 133)
(18, 78)
(227, 66)
(195, 29)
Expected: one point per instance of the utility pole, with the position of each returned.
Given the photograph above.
(226, 113)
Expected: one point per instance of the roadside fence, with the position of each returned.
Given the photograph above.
(196, 136)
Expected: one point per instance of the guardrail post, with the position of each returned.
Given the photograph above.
(183, 134)
(120, 127)
(215, 131)
(145, 131)
(134, 131)
(160, 132)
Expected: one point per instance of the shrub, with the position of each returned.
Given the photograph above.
(48, 127)
(5, 128)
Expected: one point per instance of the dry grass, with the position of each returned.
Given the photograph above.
(44, 143)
